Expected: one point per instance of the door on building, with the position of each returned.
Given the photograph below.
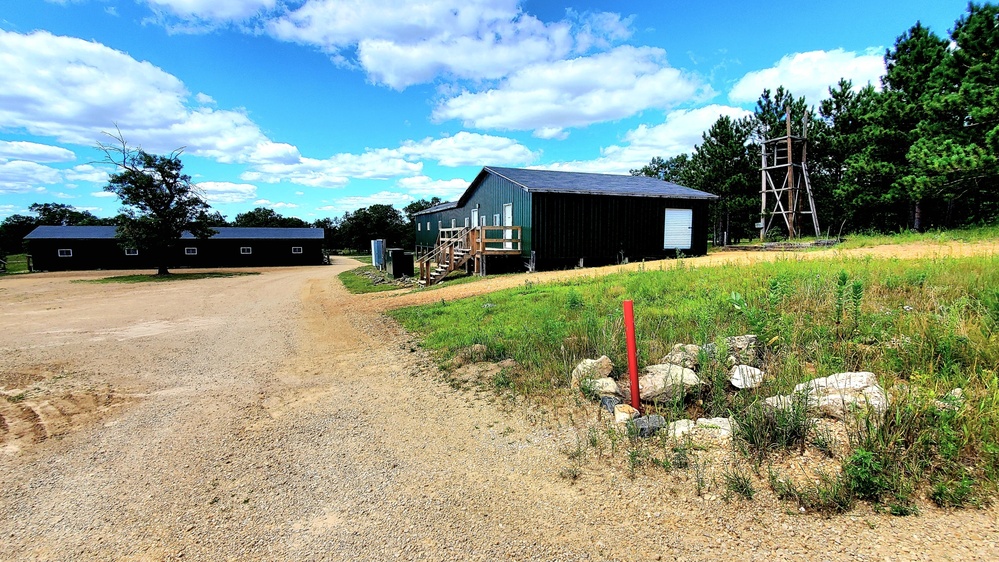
(475, 217)
(508, 221)
(678, 229)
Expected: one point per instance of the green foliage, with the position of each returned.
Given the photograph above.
(739, 483)
(922, 152)
(361, 280)
(17, 263)
(763, 429)
(262, 217)
(930, 324)
(160, 203)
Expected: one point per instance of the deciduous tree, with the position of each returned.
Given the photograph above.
(160, 203)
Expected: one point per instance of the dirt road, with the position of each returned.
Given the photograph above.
(277, 417)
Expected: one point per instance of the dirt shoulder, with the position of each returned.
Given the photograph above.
(278, 417)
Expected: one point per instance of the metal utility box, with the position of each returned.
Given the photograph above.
(378, 253)
(399, 263)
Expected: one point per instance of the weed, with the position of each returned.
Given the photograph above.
(739, 483)
(825, 441)
(15, 398)
(868, 475)
(953, 493)
(762, 429)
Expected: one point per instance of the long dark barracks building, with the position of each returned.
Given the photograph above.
(565, 217)
(55, 248)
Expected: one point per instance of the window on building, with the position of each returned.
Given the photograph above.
(496, 219)
(466, 222)
(296, 249)
(440, 225)
(245, 250)
(419, 227)
(454, 223)
(428, 226)
(190, 251)
(65, 253)
(131, 252)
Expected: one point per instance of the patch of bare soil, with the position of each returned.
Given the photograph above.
(277, 417)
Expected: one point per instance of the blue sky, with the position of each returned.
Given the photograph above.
(317, 107)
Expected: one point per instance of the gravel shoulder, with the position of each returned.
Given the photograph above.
(278, 417)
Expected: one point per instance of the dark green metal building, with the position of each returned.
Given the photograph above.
(570, 218)
(59, 248)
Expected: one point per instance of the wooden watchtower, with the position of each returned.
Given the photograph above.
(785, 189)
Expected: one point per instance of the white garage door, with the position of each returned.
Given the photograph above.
(677, 232)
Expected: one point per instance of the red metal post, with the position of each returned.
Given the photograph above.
(629, 333)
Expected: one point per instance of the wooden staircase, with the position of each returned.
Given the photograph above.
(455, 247)
(452, 250)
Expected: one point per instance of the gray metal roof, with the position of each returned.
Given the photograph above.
(550, 181)
(224, 233)
(438, 207)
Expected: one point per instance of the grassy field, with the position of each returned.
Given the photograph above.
(17, 263)
(861, 240)
(150, 278)
(923, 327)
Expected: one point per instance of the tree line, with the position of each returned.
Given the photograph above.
(919, 153)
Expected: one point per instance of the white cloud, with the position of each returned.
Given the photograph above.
(35, 152)
(86, 173)
(400, 43)
(213, 9)
(102, 194)
(469, 149)
(20, 176)
(811, 74)
(72, 90)
(423, 187)
(204, 99)
(550, 97)
(677, 134)
(337, 170)
(274, 205)
(461, 149)
(350, 204)
(8, 210)
(227, 192)
(65, 195)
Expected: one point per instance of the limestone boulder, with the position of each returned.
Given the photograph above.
(720, 428)
(679, 428)
(683, 354)
(838, 395)
(666, 382)
(605, 386)
(624, 413)
(592, 369)
(744, 376)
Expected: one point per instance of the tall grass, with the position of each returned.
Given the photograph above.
(924, 327)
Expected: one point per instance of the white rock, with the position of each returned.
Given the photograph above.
(592, 369)
(605, 386)
(744, 376)
(837, 395)
(666, 381)
(624, 412)
(684, 355)
(679, 428)
(721, 427)
(839, 382)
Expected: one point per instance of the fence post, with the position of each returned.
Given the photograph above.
(629, 332)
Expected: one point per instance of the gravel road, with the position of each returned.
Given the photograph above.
(277, 417)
